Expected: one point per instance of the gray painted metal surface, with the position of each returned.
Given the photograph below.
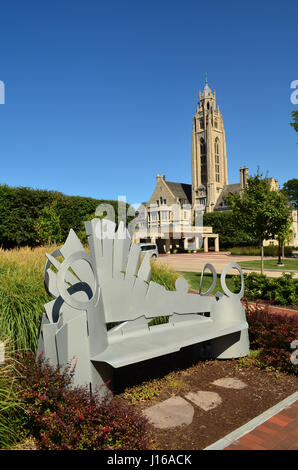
(112, 284)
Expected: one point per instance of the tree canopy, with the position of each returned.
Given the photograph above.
(260, 211)
(290, 188)
(295, 120)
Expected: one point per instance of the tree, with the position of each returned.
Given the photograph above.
(227, 227)
(295, 118)
(260, 211)
(281, 219)
(290, 188)
(48, 227)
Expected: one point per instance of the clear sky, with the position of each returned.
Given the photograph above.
(100, 95)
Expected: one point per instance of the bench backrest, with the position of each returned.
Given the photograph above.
(115, 281)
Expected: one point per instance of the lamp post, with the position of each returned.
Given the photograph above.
(279, 263)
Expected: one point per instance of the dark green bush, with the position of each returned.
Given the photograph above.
(255, 251)
(61, 417)
(22, 208)
(225, 225)
(281, 290)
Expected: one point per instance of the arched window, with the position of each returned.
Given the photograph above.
(203, 161)
(216, 152)
(202, 146)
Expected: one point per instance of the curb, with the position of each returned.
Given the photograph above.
(248, 427)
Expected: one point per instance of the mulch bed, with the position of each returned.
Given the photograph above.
(264, 389)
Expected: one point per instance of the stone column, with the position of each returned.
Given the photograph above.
(205, 244)
(168, 250)
(197, 244)
(216, 243)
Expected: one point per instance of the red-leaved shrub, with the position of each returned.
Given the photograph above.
(272, 335)
(62, 417)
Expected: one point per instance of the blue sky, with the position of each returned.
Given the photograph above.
(100, 95)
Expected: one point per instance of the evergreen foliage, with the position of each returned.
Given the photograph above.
(27, 215)
(230, 234)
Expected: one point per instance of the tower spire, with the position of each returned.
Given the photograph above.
(206, 80)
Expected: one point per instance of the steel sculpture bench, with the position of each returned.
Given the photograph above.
(112, 284)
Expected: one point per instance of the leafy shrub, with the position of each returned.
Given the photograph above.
(48, 227)
(24, 215)
(271, 335)
(281, 290)
(227, 227)
(62, 417)
(255, 251)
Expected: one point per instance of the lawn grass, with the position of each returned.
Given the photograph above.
(288, 264)
(193, 280)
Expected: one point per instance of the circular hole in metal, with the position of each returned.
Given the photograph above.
(227, 283)
(209, 267)
(71, 266)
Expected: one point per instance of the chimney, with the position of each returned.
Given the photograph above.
(160, 177)
(243, 177)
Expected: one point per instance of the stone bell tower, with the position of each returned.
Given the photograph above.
(209, 157)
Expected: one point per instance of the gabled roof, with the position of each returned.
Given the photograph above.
(180, 190)
(227, 189)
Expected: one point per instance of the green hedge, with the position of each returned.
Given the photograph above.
(224, 224)
(21, 208)
(256, 251)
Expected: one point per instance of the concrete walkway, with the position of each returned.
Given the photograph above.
(194, 262)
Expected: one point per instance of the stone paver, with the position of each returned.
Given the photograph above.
(228, 382)
(205, 400)
(170, 413)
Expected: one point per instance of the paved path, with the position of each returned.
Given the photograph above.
(277, 433)
(275, 429)
(194, 262)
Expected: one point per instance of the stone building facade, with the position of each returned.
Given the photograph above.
(209, 155)
(209, 186)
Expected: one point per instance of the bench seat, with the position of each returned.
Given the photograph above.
(162, 339)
